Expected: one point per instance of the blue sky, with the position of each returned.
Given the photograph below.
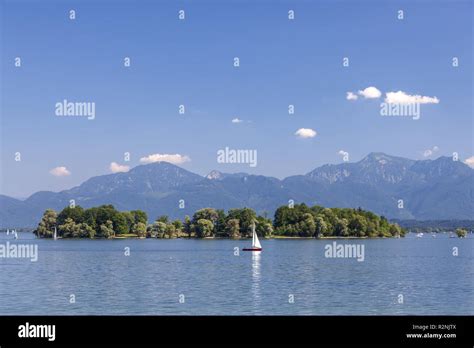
(190, 62)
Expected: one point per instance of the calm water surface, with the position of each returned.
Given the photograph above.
(214, 281)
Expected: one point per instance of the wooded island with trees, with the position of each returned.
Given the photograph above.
(296, 221)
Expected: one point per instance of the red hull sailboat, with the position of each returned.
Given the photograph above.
(256, 246)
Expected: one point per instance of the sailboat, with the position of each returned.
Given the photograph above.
(55, 236)
(256, 246)
(8, 231)
(15, 234)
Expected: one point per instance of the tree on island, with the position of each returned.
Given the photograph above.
(233, 228)
(139, 229)
(163, 218)
(246, 217)
(321, 227)
(220, 225)
(157, 229)
(187, 226)
(178, 225)
(461, 232)
(204, 228)
(263, 227)
(76, 214)
(107, 229)
(171, 231)
(71, 229)
(47, 224)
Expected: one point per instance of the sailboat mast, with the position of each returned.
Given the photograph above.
(256, 246)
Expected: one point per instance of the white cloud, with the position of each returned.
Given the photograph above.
(470, 161)
(305, 133)
(370, 93)
(118, 168)
(429, 152)
(157, 157)
(351, 96)
(343, 153)
(237, 120)
(60, 171)
(401, 97)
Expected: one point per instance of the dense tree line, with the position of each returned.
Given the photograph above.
(297, 221)
(103, 222)
(303, 221)
(210, 222)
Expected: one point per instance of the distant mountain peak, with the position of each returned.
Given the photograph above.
(377, 155)
(382, 158)
(214, 175)
(157, 166)
(217, 175)
(146, 178)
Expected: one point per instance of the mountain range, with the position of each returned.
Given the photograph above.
(430, 190)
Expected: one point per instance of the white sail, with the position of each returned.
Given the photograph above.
(55, 233)
(255, 241)
(8, 231)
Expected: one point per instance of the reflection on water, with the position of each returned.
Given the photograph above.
(256, 277)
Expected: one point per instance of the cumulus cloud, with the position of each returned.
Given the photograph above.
(401, 97)
(237, 120)
(157, 157)
(370, 93)
(470, 161)
(60, 171)
(351, 96)
(118, 168)
(305, 133)
(429, 152)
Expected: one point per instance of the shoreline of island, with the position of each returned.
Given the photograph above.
(292, 221)
(460, 234)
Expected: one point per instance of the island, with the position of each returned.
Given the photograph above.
(296, 221)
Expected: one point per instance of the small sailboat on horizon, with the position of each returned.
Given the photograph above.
(256, 246)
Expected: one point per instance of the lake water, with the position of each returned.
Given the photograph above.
(212, 280)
